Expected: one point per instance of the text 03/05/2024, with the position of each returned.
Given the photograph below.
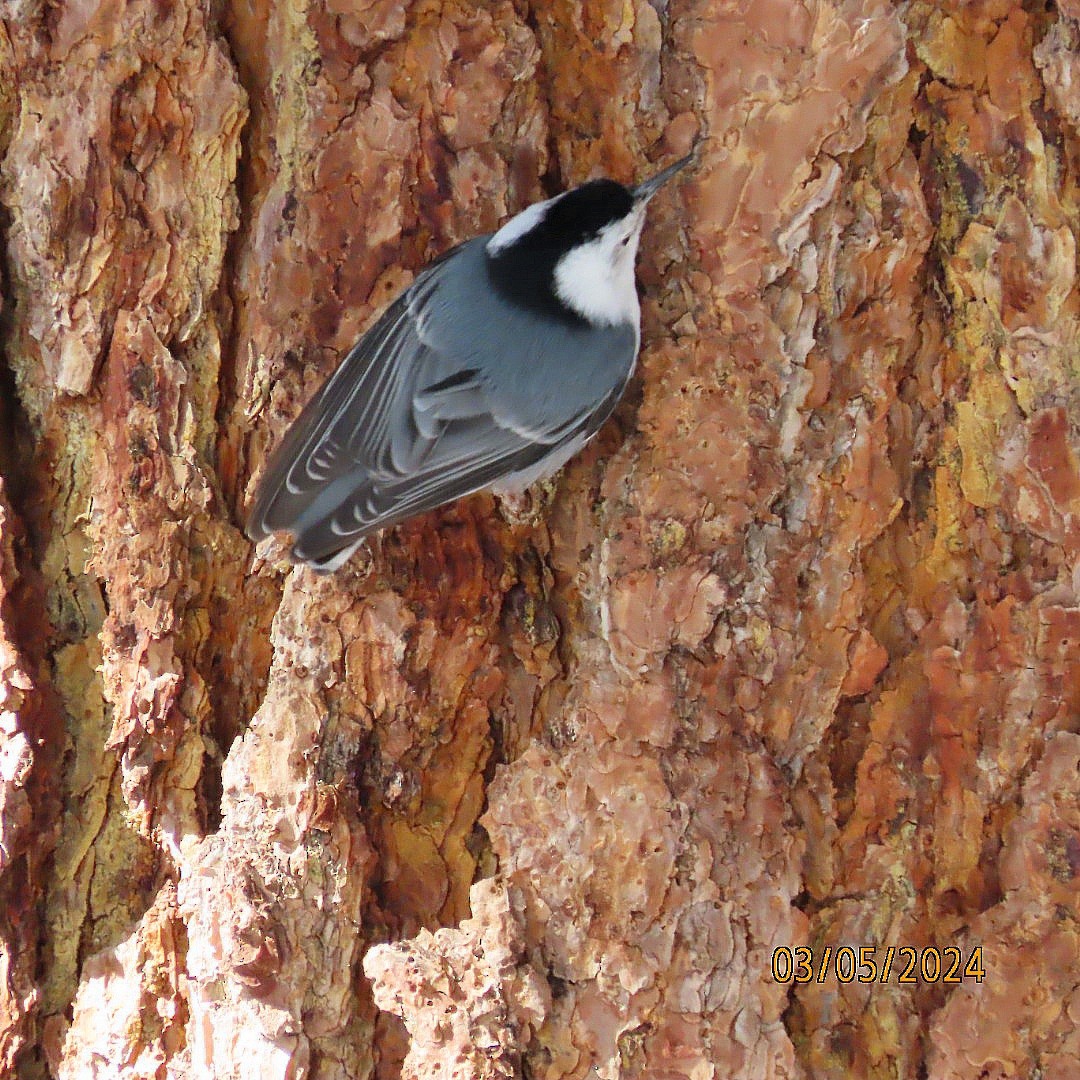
(873, 963)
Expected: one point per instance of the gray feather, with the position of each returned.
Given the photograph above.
(424, 410)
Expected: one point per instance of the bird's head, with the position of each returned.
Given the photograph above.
(578, 249)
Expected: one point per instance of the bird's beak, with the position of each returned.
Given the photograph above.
(644, 191)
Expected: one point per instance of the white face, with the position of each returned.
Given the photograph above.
(597, 279)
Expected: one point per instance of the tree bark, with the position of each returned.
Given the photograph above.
(775, 688)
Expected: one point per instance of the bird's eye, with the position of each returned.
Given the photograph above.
(624, 241)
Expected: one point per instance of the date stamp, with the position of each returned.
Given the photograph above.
(875, 963)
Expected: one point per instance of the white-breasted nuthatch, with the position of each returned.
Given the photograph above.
(492, 369)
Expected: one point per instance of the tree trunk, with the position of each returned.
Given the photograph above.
(751, 751)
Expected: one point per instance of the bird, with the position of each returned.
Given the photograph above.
(490, 371)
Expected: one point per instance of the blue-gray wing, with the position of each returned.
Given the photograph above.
(448, 393)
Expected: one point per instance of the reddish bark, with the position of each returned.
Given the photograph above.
(786, 658)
